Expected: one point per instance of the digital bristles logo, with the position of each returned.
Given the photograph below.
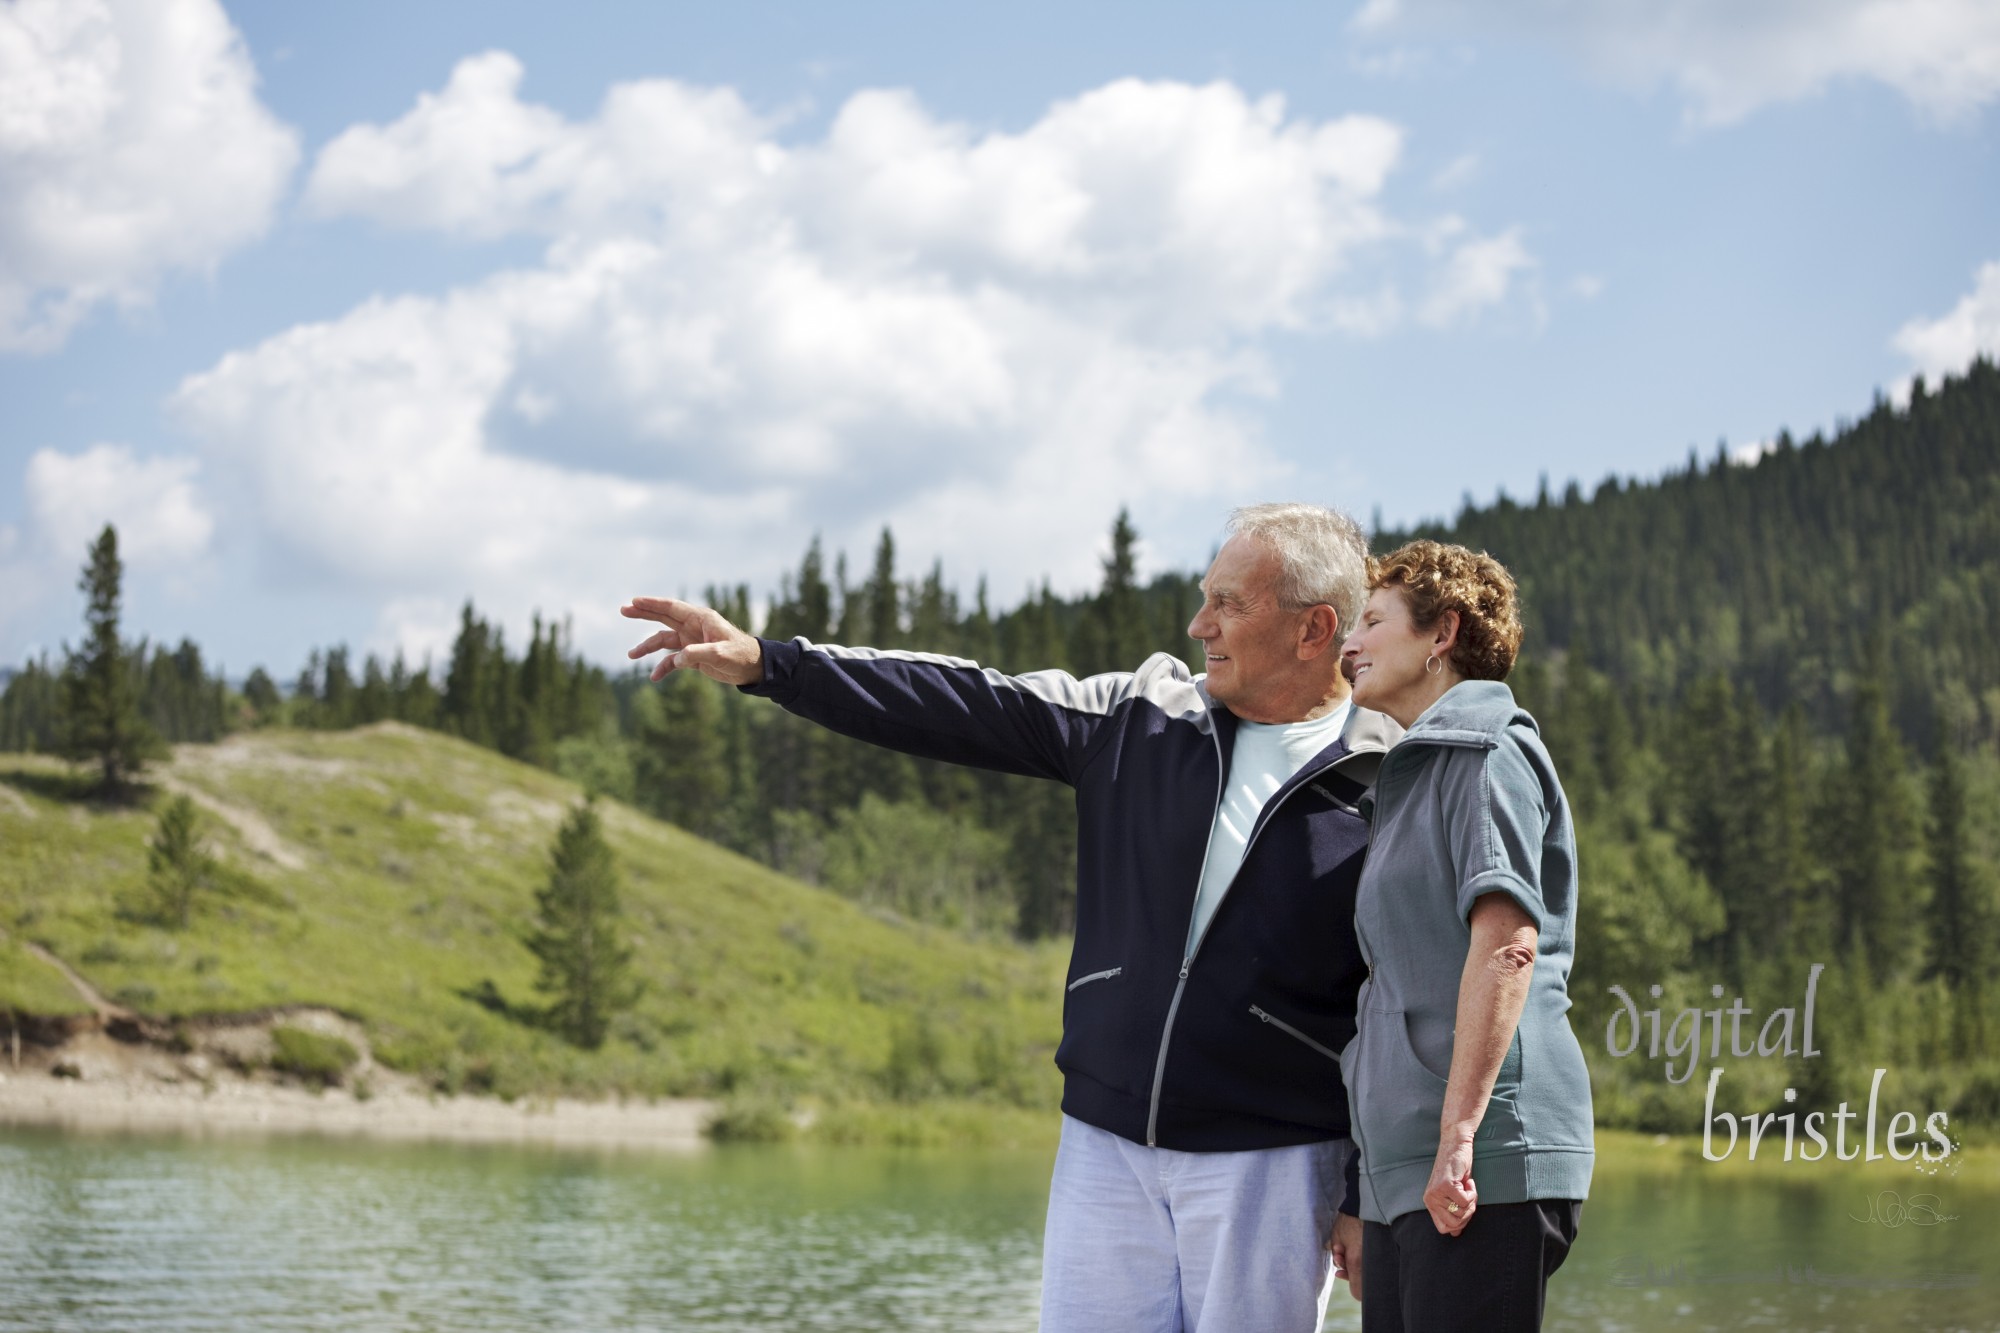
(1785, 1033)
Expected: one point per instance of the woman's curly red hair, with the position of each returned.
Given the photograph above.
(1434, 578)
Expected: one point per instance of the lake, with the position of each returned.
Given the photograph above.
(111, 1233)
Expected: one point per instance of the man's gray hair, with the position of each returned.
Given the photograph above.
(1322, 557)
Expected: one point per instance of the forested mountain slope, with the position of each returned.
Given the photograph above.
(1786, 574)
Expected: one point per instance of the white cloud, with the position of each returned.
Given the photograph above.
(1377, 14)
(475, 160)
(154, 502)
(1477, 274)
(1457, 173)
(1729, 57)
(1946, 345)
(1146, 197)
(988, 340)
(132, 144)
(163, 520)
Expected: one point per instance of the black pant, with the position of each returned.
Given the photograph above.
(1490, 1278)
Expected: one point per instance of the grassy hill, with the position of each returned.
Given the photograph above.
(389, 873)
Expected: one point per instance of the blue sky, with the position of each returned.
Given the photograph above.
(347, 313)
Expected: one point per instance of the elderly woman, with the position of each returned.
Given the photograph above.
(1471, 1102)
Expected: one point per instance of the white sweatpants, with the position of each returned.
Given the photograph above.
(1149, 1240)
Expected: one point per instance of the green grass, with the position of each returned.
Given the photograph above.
(414, 862)
(30, 986)
(1670, 1155)
(312, 1056)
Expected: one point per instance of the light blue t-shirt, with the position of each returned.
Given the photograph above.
(1265, 757)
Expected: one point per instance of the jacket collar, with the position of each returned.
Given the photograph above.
(1357, 752)
(1363, 741)
(1472, 713)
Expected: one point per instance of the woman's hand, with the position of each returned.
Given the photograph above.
(1452, 1197)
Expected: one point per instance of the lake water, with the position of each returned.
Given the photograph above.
(107, 1234)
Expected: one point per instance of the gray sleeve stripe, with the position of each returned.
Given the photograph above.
(1161, 680)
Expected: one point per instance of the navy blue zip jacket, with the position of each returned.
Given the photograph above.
(1236, 1047)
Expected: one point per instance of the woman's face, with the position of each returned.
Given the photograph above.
(1387, 653)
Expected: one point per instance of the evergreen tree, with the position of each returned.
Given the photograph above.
(544, 691)
(585, 965)
(1038, 816)
(934, 614)
(871, 768)
(1113, 636)
(304, 710)
(1960, 929)
(882, 596)
(1797, 924)
(1031, 638)
(475, 684)
(181, 701)
(31, 709)
(374, 701)
(1874, 833)
(1727, 796)
(260, 694)
(805, 607)
(336, 690)
(683, 769)
(850, 620)
(1120, 605)
(101, 694)
(792, 762)
(418, 701)
(1042, 859)
(979, 637)
(176, 866)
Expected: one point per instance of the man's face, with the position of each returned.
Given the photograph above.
(1249, 639)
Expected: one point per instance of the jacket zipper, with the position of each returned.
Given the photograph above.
(1105, 975)
(1174, 1006)
(1285, 1027)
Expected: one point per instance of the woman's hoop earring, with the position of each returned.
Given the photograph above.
(1432, 666)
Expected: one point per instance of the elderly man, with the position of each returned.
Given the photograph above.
(1205, 1146)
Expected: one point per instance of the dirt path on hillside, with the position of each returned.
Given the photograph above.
(253, 828)
(89, 994)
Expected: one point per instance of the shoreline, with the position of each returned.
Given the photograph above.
(236, 1107)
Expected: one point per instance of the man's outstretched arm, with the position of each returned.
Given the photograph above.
(922, 704)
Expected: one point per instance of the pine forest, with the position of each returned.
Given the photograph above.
(1772, 688)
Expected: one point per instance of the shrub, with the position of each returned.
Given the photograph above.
(750, 1121)
(317, 1058)
(916, 1060)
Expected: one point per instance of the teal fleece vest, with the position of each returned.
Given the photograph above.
(1467, 803)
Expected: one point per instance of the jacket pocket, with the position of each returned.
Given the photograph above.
(1397, 1100)
(1088, 977)
(1289, 1030)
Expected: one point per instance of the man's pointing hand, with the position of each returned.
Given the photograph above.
(697, 637)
